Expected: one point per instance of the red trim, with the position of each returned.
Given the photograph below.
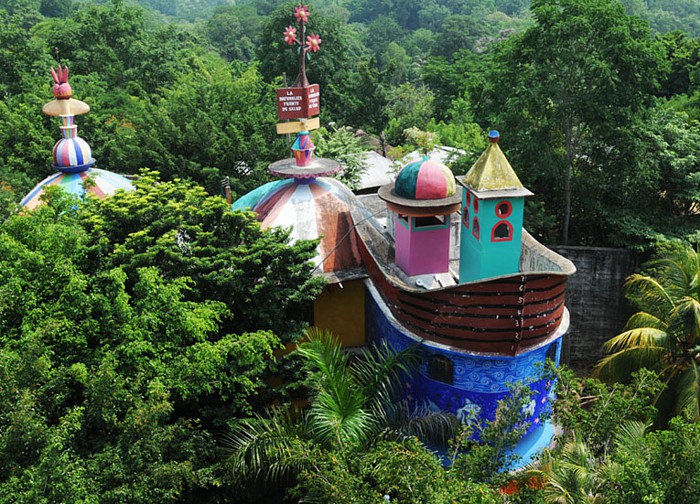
(506, 214)
(510, 232)
(476, 205)
(469, 197)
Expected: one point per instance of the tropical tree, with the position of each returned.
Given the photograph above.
(665, 335)
(574, 475)
(132, 330)
(578, 53)
(353, 404)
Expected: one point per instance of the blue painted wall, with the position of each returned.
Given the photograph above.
(479, 381)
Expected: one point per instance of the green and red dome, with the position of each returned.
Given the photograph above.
(425, 180)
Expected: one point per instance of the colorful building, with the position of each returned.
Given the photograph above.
(444, 266)
(72, 156)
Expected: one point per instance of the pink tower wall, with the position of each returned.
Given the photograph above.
(422, 251)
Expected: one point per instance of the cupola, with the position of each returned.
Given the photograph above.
(492, 216)
(421, 200)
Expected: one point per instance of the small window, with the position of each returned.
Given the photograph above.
(432, 220)
(476, 205)
(465, 217)
(504, 209)
(441, 369)
(403, 220)
(475, 228)
(502, 231)
(469, 198)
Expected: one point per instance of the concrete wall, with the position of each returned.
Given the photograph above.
(595, 299)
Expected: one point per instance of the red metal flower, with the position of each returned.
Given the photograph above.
(313, 42)
(301, 12)
(290, 35)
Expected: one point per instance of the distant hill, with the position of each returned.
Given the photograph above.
(179, 10)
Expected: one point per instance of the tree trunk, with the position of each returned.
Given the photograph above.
(567, 183)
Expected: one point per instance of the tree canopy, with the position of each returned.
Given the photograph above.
(133, 330)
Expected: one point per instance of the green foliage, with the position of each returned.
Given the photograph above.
(405, 472)
(175, 227)
(593, 411)
(578, 52)
(488, 458)
(118, 355)
(343, 146)
(234, 30)
(409, 106)
(663, 469)
(663, 336)
(352, 406)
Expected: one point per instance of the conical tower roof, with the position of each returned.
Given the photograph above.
(492, 176)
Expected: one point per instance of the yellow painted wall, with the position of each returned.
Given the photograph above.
(342, 311)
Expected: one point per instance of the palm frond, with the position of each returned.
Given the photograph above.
(688, 391)
(571, 476)
(620, 365)
(381, 371)
(325, 355)
(401, 421)
(685, 319)
(649, 295)
(641, 337)
(629, 438)
(340, 418)
(643, 319)
(679, 271)
(265, 447)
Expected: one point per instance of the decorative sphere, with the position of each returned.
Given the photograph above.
(425, 180)
(72, 154)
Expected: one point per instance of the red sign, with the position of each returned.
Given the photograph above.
(298, 102)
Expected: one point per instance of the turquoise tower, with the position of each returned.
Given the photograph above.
(492, 217)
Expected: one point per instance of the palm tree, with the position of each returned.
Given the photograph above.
(353, 404)
(665, 335)
(574, 476)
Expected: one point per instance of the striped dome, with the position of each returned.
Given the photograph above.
(72, 155)
(317, 208)
(101, 183)
(425, 180)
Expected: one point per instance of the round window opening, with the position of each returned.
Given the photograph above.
(504, 209)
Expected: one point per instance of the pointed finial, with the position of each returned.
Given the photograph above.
(61, 88)
(494, 136)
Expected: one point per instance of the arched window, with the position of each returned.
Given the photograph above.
(552, 352)
(441, 369)
(469, 197)
(475, 228)
(504, 209)
(465, 217)
(502, 231)
(476, 205)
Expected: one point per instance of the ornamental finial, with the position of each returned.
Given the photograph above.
(494, 136)
(310, 43)
(64, 104)
(61, 88)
